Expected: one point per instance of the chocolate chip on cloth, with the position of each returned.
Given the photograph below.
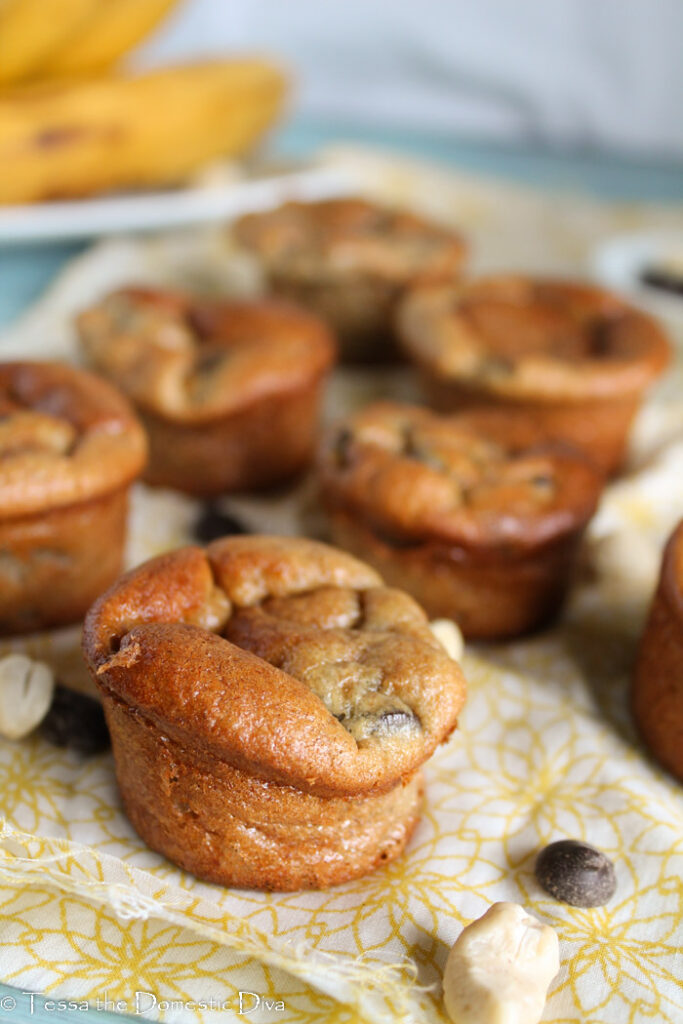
(77, 722)
(577, 873)
(270, 704)
(213, 523)
(478, 517)
(228, 391)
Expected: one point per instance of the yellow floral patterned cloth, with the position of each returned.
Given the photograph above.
(545, 749)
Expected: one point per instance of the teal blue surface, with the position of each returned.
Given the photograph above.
(601, 174)
(25, 270)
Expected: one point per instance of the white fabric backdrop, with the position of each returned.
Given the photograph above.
(602, 73)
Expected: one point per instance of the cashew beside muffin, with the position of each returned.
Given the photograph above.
(500, 967)
(26, 689)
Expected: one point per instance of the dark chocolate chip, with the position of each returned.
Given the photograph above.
(213, 523)
(394, 540)
(342, 447)
(665, 280)
(543, 483)
(394, 720)
(77, 722)
(576, 873)
(601, 335)
(374, 717)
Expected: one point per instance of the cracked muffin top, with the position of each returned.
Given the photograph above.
(191, 360)
(343, 237)
(283, 657)
(523, 336)
(478, 478)
(66, 437)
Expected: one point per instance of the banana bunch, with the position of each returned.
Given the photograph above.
(71, 125)
(54, 38)
(76, 138)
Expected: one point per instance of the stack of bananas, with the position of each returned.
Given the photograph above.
(72, 125)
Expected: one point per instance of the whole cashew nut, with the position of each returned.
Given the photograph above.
(500, 967)
(26, 688)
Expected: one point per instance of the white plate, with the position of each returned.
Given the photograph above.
(152, 211)
(619, 262)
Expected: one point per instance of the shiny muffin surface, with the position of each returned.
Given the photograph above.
(345, 236)
(270, 704)
(192, 360)
(533, 337)
(281, 655)
(474, 478)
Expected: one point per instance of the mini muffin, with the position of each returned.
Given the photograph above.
(349, 260)
(658, 684)
(472, 514)
(270, 703)
(572, 355)
(229, 392)
(70, 447)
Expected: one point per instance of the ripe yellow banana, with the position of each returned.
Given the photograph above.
(122, 132)
(30, 30)
(113, 28)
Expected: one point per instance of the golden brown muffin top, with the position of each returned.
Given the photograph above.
(480, 479)
(192, 360)
(343, 237)
(66, 436)
(532, 337)
(284, 657)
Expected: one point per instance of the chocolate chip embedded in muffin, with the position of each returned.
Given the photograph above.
(575, 357)
(475, 515)
(279, 745)
(377, 715)
(349, 260)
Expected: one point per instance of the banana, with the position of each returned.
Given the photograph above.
(30, 30)
(113, 28)
(129, 131)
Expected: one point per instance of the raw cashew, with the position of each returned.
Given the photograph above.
(449, 636)
(26, 689)
(500, 967)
